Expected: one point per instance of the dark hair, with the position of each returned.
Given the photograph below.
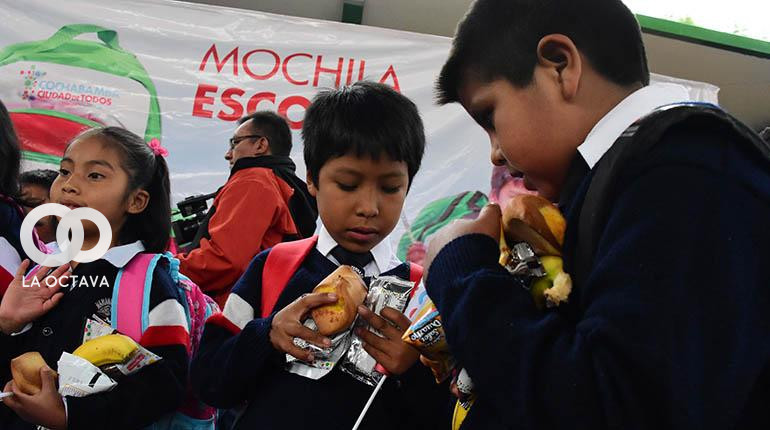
(274, 127)
(365, 119)
(10, 155)
(41, 177)
(146, 171)
(498, 39)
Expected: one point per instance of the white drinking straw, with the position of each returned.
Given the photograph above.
(369, 403)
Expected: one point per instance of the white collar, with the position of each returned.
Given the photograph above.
(638, 104)
(382, 252)
(118, 256)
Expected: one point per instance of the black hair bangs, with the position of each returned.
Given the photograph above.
(365, 120)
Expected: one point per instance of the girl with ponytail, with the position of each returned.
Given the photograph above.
(116, 172)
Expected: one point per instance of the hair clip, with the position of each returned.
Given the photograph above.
(157, 149)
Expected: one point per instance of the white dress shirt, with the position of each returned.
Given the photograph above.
(384, 257)
(637, 105)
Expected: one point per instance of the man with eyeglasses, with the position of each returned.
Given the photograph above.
(262, 203)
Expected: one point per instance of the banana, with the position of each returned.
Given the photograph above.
(109, 349)
(559, 292)
(553, 288)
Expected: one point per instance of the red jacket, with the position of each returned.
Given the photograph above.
(252, 214)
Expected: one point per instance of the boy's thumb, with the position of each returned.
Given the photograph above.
(492, 211)
(488, 221)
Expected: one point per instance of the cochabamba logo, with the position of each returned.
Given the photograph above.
(30, 77)
(38, 87)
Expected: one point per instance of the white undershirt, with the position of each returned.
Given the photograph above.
(637, 105)
(384, 258)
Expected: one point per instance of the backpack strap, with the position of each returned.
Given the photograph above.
(415, 272)
(282, 261)
(131, 295)
(632, 145)
(415, 275)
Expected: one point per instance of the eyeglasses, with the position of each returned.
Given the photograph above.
(234, 141)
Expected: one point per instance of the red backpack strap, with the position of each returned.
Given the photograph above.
(415, 275)
(282, 261)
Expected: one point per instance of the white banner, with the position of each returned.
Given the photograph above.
(186, 72)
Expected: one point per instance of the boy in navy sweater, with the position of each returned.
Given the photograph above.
(667, 327)
(363, 146)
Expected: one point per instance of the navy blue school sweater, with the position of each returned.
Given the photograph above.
(236, 364)
(671, 328)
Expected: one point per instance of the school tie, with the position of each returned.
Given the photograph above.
(359, 260)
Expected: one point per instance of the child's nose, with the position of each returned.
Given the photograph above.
(496, 155)
(70, 184)
(368, 204)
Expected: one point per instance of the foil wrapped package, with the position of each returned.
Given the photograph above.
(464, 386)
(386, 291)
(521, 260)
(324, 359)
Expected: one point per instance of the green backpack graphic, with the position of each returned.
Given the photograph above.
(436, 215)
(58, 87)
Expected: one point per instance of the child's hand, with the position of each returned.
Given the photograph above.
(287, 324)
(45, 408)
(390, 351)
(27, 300)
(488, 223)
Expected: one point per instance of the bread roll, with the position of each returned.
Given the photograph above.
(26, 372)
(537, 221)
(351, 292)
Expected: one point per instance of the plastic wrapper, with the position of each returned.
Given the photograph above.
(386, 291)
(324, 359)
(79, 378)
(96, 327)
(428, 336)
(140, 358)
(418, 300)
(520, 259)
(464, 386)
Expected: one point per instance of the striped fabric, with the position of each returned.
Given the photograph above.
(11, 253)
(9, 264)
(237, 313)
(167, 326)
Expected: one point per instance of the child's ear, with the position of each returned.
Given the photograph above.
(559, 55)
(138, 201)
(311, 188)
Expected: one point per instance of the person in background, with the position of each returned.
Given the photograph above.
(35, 191)
(11, 213)
(262, 203)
